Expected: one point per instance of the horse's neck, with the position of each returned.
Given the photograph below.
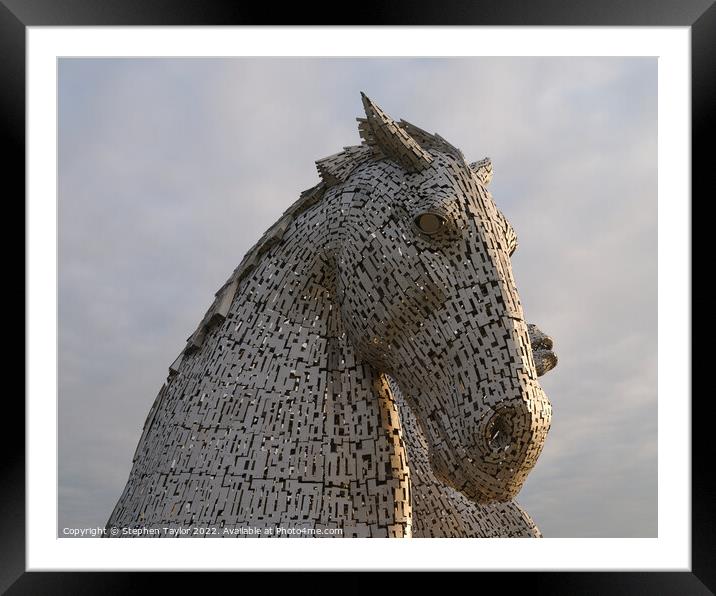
(324, 421)
(274, 420)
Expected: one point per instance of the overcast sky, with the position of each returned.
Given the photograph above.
(169, 170)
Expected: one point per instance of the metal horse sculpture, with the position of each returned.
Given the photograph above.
(365, 371)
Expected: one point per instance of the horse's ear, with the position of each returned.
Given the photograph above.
(483, 170)
(335, 169)
(387, 139)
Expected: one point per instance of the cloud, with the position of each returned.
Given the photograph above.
(169, 170)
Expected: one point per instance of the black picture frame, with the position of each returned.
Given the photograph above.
(17, 15)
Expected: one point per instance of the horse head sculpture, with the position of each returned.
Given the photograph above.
(391, 275)
(437, 308)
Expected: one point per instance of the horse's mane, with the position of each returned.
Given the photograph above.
(333, 170)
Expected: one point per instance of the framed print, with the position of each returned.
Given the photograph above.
(265, 299)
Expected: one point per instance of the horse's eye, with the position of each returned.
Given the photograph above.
(429, 223)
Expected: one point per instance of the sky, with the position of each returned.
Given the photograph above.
(171, 169)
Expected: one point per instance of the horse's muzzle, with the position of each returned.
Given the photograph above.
(507, 442)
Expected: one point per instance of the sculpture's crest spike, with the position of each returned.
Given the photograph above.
(430, 141)
(483, 170)
(388, 139)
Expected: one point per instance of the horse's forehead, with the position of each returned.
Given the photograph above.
(449, 183)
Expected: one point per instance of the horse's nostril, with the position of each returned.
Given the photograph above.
(499, 433)
(539, 339)
(542, 342)
(545, 361)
